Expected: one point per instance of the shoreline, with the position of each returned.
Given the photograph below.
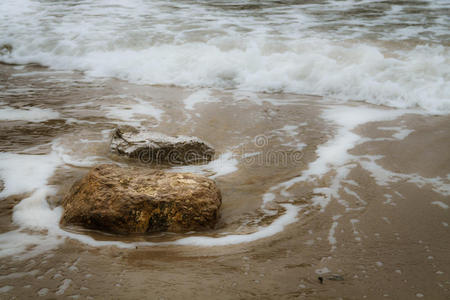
(360, 234)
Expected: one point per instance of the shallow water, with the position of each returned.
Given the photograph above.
(314, 181)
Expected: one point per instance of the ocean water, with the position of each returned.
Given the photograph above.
(392, 53)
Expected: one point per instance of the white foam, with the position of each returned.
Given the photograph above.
(277, 226)
(334, 155)
(440, 204)
(63, 287)
(32, 212)
(225, 164)
(331, 237)
(354, 194)
(30, 114)
(201, 96)
(249, 155)
(134, 113)
(389, 200)
(323, 270)
(290, 130)
(383, 177)
(20, 245)
(73, 157)
(42, 292)
(36, 168)
(35, 213)
(223, 48)
(268, 197)
(299, 146)
(400, 132)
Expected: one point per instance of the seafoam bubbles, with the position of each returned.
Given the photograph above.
(134, 112)
(440, 204)
(400, 132)
(29, 174)
(334, 153)
(200, 96)
(336, 162)
(29, 114)
(223, 165)
(34, 212)
(289, 217)
(85, 153)
(383, 177)
(14, 168)
(276, 48)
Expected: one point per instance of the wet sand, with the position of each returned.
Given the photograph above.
(383, 235)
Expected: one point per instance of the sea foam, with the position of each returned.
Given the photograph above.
(143, 43)
(30, 114)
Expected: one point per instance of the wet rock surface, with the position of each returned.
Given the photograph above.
(156, 148)
(130, 200)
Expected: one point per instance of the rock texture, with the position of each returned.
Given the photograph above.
(157, 148)
(129, 200)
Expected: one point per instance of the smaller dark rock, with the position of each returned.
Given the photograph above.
(320, 279)
(156, 148)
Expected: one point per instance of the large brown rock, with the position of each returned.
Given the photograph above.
(157, 148)
(129, 200)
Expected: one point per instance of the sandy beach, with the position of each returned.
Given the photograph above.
(362, 203)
